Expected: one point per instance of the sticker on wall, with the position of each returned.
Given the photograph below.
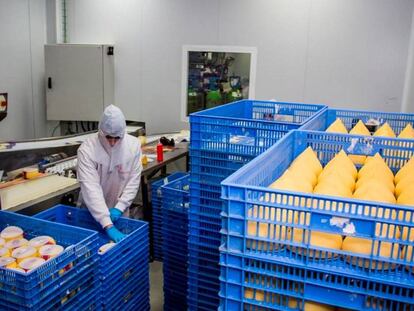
(3, 105)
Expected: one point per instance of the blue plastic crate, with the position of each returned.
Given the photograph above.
(175, 235)
(199, 219)
(239, 272)
(43, 283)
(121, 261)
(217, 171)
(249, 127)
(197, 207)
(137, 291)
(212, 241)
(89, 301)
(156, 202)
(247, 188)
(213, 160)
(397, 121)
(60, 298)
(202, 304)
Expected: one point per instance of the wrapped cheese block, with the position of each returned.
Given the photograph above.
(24, 252)
(31, 263)
(12, 244)
(40, 241)
(11, 233)
(50, 251)
(8, 262)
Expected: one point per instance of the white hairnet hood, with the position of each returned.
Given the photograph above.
(113, 122)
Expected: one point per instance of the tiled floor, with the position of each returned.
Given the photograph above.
(156, 283)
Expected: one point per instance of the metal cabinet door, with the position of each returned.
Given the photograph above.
(74, 82)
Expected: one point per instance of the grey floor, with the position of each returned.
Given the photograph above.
(156, 282)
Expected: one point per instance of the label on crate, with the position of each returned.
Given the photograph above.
(283, 118)
(242, 140)
(362, 146)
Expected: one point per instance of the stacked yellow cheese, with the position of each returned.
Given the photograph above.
(385, 130)
(22, 255)
(373, 182)
(301, 176)
(404, 191)
(336, 179)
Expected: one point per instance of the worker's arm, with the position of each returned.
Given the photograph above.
(91, 189)
(131, 188)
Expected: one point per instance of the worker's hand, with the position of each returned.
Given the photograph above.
(115, 214)
(114, 234)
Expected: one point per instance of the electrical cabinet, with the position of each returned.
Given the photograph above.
(79, 81)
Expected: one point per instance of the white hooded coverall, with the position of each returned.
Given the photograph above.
(109, 176)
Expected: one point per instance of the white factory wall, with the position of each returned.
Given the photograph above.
(346, 53)
(408, 98)
(22, 33)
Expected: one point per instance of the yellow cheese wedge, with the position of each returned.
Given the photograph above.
(341, 159)
(310, 160)
(318, 239)
(333, 187)
(291, 181)
(337, 127)
(376, 177)
(313, 306)
(406, 170)
(406, 198)
(363, 246)
(357, 159)
(374, 190)
(376, 163)
(407, 132)
(360, 129)
(385, 131)
(407, 255)
(405, 184)
(268, 230)
(255, 294)
(340, 173)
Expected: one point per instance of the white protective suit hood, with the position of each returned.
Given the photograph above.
(113, 124)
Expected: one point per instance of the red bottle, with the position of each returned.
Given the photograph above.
(160, 153)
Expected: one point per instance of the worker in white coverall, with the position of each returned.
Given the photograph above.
(109, 169)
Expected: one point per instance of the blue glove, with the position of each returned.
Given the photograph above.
(114, 213)
(114, 234)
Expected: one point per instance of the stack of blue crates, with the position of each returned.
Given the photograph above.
(123, 271)
(61, 283)
(156, 202)
(175, 207)
(223, 139)
(265, 265)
